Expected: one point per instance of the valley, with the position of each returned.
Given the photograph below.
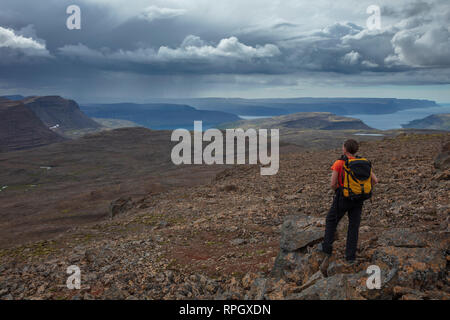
(76, 168)
(60, 186)
(226, 238)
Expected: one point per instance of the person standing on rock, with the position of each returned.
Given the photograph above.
(349, 197)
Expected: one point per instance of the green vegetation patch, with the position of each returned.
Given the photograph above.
(38, 249)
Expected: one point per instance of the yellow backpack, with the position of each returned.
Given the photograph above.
(357, 178)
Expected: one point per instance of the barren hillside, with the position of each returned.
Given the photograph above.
(20, 128)
(221, 240)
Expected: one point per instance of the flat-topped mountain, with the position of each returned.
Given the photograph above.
(15, 97)
(20, 128)
(61, 114)
(435, 121)
(304, 120)
(312, 130)
(158, 116)
(274, 107)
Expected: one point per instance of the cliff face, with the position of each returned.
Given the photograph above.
(323, 121)
(435, 121)
(12, 97)
(56, 111)
(303, 121)
(272, 107)
(158, 116)
(20, 128)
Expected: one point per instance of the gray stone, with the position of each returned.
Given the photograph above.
(237, 242)
(403, 237)
(300, 231)
(418, 268)
(120, 205)
(336, 287)
(442, 161)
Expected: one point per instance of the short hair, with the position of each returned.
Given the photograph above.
(351, 146)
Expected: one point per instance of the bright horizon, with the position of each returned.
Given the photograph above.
(247, 49)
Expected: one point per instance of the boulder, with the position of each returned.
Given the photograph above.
(296, 261)
(257, 289)
(300, 231)
(442, 161)
(337, 287)
(119, 206)
(407, 238)
(418, 268)
(389, 277)
(296, 266)
(403, 237)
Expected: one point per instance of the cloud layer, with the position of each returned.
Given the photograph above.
(152, 13)
(19, 49)
(288, 43)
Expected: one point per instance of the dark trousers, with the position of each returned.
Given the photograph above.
(340, 206)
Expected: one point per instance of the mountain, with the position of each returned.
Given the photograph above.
(158, 116)
(435, 122)
(62, 114)
(13, 97)
(313, 130)
(238, 236)
(115, 123)
(20, 128)
(303, 120)
(274, 107)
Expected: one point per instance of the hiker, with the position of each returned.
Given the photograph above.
(352, 180)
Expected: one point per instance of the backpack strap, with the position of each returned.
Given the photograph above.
(345, 159)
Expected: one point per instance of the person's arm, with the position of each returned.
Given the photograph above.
(374, 179)
(334, 180)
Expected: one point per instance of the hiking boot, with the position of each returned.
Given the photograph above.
(350, 263)
(326, 259)
(319, 249)
(324, 265)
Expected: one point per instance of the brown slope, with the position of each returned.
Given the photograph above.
(20, 128)
(212, 241)
(55, 110)
(435, 122)
(65, 185)
(303, 120)
(56, 187)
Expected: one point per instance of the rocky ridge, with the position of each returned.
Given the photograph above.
(20, 128)
(246, 236)
(435, 121)
(63, 115)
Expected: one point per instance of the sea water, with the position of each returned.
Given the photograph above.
(395, 120)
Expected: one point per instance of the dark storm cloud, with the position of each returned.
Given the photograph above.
(408, 10)
(152, 40)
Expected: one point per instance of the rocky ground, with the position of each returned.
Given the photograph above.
(47, 191)
(247, 236)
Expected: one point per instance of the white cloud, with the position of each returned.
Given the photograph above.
(192, 41)
(80, 50)
(289, 39)
(227, 48)
(192, 49)
(27, 45)
(352, 58)
(154, 13)
(422, 48)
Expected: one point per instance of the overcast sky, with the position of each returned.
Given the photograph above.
(135, 49)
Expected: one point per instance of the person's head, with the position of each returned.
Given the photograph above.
(351, 146)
